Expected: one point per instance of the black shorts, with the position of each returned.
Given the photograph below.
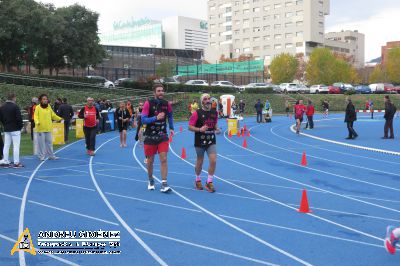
(300, 118)
(122, 127)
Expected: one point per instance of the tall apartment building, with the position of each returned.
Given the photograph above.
(348, 43)
(266, 28)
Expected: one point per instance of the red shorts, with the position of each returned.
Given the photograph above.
(150, 150)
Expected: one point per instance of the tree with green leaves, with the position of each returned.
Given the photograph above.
(283, 68)
(165, 69)
(320, 67)
(378, 75)
(393, 65)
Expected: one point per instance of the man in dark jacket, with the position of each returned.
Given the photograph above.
(10, 117)
(350, 117)
(259, 107)
(390, 111)
(66, 112)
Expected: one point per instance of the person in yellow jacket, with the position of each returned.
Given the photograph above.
(194, 106)
(44, 117)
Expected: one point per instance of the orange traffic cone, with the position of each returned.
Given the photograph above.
(245, 144)
(304, 159)
(245, 128)
(304, 208)
(183, 155)
(230, 134)
(238, 134)
(242, 133)
(248, 133)
(180, 129)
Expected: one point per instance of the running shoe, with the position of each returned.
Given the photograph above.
(42, 158)
(210, 187)
(18, 165)
(145, 160)
(390, 240)
(53, 158)
(198, 185)
(151, 185)
(91, 153)
(5, 165)
(165, 188)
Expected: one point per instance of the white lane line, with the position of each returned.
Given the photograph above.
(299, 183)
(314, 169)
(99, 163)
(205, 247)
(119, 218)
(60, 209)
(48, 255)
(223, 220)
(21, 254)
(320, 147)
(350, 145)
(281, 203)
(323, 159)
(151, 202)
(301, 231)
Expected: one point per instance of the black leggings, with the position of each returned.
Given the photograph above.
(90, 137)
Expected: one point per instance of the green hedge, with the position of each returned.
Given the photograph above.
(259, 90)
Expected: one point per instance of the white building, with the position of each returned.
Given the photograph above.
(266, 28)
(172, 33)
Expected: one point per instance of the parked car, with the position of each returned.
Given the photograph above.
(334, 90)
(303, 88)
(389, 88)
(288, 87)
(319, 89)
(363, 89)
(197, 82)
(397, 89)
(119, 82)
(377, 87)
(223, 83)
(256, 85)
(343, 86)
(102, 81)
(170, 80)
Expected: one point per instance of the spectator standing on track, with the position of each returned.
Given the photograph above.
(390, 111)
(90, 117)
(154, 116)
(129, 107)
(310, 110)
(11, 118)
(350, 117)
(123, 118)
(325, 107)
(66, 112)
(287, 107)
(204, 123)
(56, 105)
(392, 239)
(31, 112)
(44, 117)
(140, 127)
(299, 110)
(220, 108)
(259, 108)
(242, 106)
(371, 108)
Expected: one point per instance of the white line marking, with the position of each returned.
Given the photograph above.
(281, 203)
(205, 247)
(299, 183)
(301, 231)
(349, 145)
(122, 221)
(151, 202)
(48, 255)
(21, 254)
(223, 220)
(324, 159)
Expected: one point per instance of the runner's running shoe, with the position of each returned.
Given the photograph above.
(210, 187)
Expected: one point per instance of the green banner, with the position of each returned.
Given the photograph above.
(224, 68)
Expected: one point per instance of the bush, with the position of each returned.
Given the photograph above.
(349, 92)
(260, 90)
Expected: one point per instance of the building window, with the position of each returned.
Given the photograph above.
(289, 14)
(277, 16)
(267, 37)
(289, 3)
(246, 30)
(256, 48)
(237, 22)
(236, 32)
(321, 24)
(276, 6)
(265, 28)
(237, 13)
(212, 17)
(228, 28)
(267, 8)
(299, 13)
(321, 33)
(237, 40)
(256, 29)
(277, 26)
(299, 44)
(321, 3)
(228, 19)
(289, 24)
(321, 14)
(267, 58)
(237, 3)
(267, 17)
(212, 26)
(299, 2)
(247, 49)
(256, 9)
(267, 47)
(288, 35)
(277, 46)
(228, 9)
(246, 2)
(246, 40)
(228, 37)
(213, 35)
(237, 50)
(289, 45)
(213, 43)
(256, 39)
(245, 11)
(256, 19)
(278, 36)
(299, 34)
(299, 23)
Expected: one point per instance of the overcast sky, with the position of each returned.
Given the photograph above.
(376, 19)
